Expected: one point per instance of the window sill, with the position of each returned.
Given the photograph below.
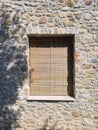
(51, 98)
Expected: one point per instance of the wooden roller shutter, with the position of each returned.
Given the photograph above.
(48, 67)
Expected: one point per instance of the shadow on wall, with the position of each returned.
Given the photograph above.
(13, 69)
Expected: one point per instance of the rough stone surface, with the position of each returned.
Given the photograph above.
(25, 16)
(88, 2)
(20, 18)
(42, 20)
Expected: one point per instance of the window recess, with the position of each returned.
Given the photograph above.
(52, 66)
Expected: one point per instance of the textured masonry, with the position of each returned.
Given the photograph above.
(20, 18)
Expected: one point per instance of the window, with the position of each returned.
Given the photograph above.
(51, 66)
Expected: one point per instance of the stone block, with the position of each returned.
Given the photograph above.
(69, 3)
(1, 14)
(88, 2)
(76, 114)
(61, 1)
(25, 16)
(62, 14)
(42, 20)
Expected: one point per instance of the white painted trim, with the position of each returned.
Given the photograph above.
(50, 98)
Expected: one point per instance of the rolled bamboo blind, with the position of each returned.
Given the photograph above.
(48, 67)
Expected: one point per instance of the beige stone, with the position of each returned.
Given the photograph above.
(90, 71)
(5, 5)
(51, 15)
(9, 22)
(88, 2)
(31, 128)
(86, 81)
(65, 21)
(69, 2)
(76, 113)
(50, 24)
(91, 99)
(62, 14)
(83, 31)
(96, 109)
(43, 20)
(31, 13)
(85, 128)
(1, 14)
(87, 66)
(40, 8)
(78, 127)
(80, 56)
(34, 23)
(33, 4)
(70, 23)
(96, 117)
(87, 16)
(89, 37)
(1, 119)
(97, 126)
(61, 1)
(67, 128)
(25, 16)
(27, 22)
(88, 121)
(18, 125)
(18, 3)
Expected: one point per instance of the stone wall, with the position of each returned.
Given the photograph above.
(20, 18)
